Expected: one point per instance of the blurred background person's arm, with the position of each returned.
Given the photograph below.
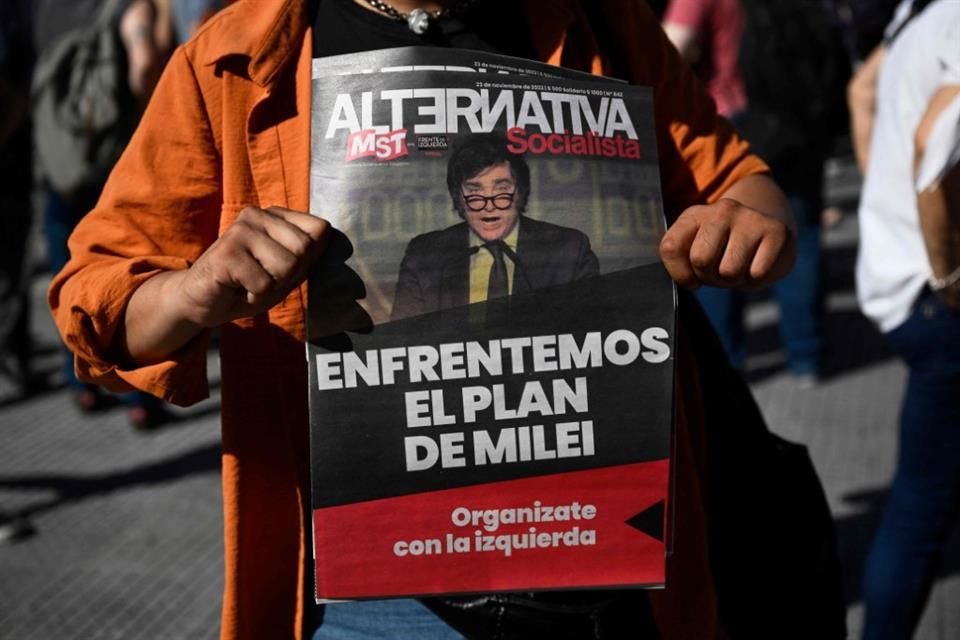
(146, 29)
(938, 201)
(861, 100)
(862, 88)
(682, 22)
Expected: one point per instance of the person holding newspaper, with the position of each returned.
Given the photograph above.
(203, 225)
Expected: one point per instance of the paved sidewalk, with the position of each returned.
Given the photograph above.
(128, 525)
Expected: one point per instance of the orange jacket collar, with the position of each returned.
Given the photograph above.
(268, 32)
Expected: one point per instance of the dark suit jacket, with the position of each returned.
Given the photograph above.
(435, 271)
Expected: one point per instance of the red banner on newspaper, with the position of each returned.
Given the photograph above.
(529, 534)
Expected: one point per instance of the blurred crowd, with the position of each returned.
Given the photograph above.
(74, 78)
(51, 176)
(803, 80)
(882, 75)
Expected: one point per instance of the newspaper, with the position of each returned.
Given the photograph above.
(490, 333)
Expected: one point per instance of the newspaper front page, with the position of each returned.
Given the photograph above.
(490, 334)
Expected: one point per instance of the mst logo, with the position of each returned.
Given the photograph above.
(382, 146)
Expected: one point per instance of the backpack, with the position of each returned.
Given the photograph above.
(795, 68)
(82, 107)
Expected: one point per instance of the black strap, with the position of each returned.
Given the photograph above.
(916, 8)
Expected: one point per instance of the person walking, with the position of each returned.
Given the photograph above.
(908, 283)
(142, 43)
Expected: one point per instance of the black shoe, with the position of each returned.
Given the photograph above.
(148, 416)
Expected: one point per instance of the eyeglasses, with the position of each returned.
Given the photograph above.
(500, 201)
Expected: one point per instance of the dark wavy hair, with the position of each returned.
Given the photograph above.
(477, 152)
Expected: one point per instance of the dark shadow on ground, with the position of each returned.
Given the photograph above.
(45, 384)
(855, 533)
(838, 269)
(70, 489)
(39, 386)
(184, 418)
(165, 420)
(46, 378)
(851, 342)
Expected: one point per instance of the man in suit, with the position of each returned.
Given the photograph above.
(496, 251)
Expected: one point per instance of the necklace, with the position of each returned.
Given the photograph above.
(418, 20)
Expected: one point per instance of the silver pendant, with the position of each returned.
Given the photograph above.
(419, 21)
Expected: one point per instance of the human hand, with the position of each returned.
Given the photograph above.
(254, 265)
(727, 244)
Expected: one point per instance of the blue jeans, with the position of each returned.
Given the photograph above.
(922, 505)
(800, 296)
(59, 219)
(404, 619)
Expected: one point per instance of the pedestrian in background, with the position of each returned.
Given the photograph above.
(777, 69)
(908, 283)
(862, 89)
(16, 215)
(80, 43)
(16, 179)
(707, 34)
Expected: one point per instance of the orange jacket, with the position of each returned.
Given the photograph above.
(228, 126)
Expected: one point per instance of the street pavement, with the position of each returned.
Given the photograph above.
(127, 525)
